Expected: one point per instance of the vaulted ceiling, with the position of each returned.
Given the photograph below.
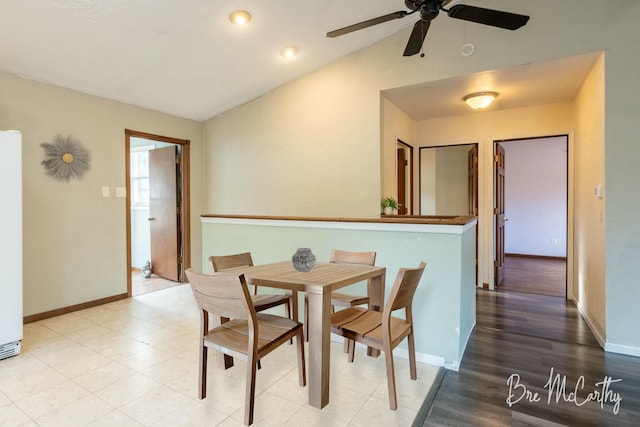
(187, 59)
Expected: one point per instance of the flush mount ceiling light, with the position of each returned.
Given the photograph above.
(289, 52)
(240, 17)
(480, 100)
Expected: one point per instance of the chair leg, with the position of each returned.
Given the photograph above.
(305, 326)
(289, 313)
(292, 309)
(351, 348)
(202, 372)
(294, 305)
(250, 392)
(391, 377)
(302, 372)
(412, 356)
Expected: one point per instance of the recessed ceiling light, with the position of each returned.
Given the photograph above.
(240, 17)
(289, 52)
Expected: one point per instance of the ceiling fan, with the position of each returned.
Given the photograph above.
(429, 10)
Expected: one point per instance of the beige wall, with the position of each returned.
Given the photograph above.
(309, 148)
(396, 125)
(589, 217)
(75, 240)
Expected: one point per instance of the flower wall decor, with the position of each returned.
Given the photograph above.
(65, 158)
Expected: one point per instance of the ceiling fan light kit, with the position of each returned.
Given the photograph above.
(480, 100)
(429, 10)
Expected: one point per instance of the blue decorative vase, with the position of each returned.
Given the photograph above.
(303, 260)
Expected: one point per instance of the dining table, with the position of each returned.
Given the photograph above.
(318, 284)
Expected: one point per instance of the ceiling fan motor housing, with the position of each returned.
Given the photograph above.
(429, 9)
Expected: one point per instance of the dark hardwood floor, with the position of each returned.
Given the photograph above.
(545, 276)
(529, 339)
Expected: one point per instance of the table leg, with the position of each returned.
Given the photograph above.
(375, 289)
(319, 348)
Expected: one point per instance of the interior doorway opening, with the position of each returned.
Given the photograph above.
(157, 206)
(531, 215)
(404, 169)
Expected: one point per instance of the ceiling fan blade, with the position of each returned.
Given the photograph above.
(368, 23)
(416, 39)
(495, 18)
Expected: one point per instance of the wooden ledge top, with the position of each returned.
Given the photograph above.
(385, 219)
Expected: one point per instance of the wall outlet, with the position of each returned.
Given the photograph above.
(105, 191)
(554, 242)
(121, 192)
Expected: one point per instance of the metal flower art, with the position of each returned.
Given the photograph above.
(65, 158)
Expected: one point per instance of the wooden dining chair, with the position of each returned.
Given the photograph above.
(246, 335)
(261, 302)
(383, 331)
(339, 299)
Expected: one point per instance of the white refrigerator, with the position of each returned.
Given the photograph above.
(11, 244)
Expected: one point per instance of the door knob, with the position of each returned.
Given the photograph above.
(151, 219)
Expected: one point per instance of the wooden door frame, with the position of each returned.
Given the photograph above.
(498, 213)
(185, 222)
(569, 205)
(409, 148)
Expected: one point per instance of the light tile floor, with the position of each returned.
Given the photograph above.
(134, 363)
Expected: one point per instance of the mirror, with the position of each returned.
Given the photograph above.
(448, 180)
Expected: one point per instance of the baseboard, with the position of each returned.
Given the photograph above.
(562, 258)
(622, 349)
(596, 333)
(64, 310)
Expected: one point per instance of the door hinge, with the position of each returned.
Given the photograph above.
(177, 159)
(495, 263)
(179, 260)
(496, 211)
(179, 211)
(496, 158)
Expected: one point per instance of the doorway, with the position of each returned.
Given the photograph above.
(404, 169)
(448, 178)
(530, 215)
(157, 206)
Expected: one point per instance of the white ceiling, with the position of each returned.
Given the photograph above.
(181, 57)
(185, 58)
(521, 86)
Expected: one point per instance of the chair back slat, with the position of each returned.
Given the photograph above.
(224, 295)
(346, 257)
(226, 262)
(404, 288)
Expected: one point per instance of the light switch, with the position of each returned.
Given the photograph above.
(105, 191)
(121, 192)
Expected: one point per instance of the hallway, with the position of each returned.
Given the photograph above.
(535, 337)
